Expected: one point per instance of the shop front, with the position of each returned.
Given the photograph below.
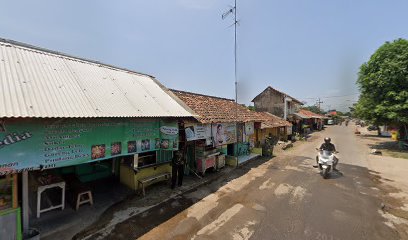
(214, 145)
(59, 160)
(269, 131)
(223, 129)
(225, 140)
(208, 145)
(246, 141)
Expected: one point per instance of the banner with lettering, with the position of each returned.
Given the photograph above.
(29, 144)
(198, 131)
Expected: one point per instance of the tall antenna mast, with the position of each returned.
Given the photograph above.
(233, 10)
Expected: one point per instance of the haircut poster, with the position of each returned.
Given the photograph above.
(50, 143)
(224, 133)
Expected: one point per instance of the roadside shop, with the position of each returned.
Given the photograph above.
(70, 126)
(218, 137)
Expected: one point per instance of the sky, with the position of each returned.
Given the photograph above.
(305, 48)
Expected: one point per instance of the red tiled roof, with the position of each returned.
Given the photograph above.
(215, 109)
(270, 121)
(332, 113)
(310, 114)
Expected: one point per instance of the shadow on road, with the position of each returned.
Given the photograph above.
(351, 191)
(139, 224)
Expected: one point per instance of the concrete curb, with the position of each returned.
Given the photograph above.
(175, 194)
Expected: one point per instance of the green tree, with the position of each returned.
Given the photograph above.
(250, 107)
(314, 109)
(383, 83)
(352, 110)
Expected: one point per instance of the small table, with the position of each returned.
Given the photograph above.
(42, 188)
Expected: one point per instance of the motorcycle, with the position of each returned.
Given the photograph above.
(325, 162)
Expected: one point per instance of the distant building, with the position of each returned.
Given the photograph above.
(276, 102)
(332, 113)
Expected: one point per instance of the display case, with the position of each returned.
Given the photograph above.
(206, 157)
(205, 163)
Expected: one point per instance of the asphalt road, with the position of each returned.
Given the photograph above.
(279, 198)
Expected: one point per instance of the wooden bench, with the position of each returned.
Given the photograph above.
(155, 178)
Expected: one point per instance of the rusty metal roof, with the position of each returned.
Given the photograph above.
(36, 82)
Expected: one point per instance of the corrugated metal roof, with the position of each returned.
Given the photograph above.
(39, 83)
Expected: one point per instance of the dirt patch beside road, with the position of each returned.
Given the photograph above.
(391, 175)
(386, 145)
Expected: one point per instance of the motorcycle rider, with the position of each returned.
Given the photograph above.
(328, 146)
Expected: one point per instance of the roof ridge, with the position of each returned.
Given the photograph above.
(274, 89)
(46, 84)
(199, 94)
(27, 46)
(284, 94)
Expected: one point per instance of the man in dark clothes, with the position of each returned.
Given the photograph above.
(177, 164)
(328, 146)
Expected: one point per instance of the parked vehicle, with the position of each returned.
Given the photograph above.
(372, 128)
(330, 122)
(325, 162)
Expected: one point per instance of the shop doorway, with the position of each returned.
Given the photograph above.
(97, 182)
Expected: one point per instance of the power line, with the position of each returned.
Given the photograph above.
(347, 95)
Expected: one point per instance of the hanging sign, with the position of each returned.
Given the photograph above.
(169, 130)
(49, 143)
(196, 132)
(249, 128)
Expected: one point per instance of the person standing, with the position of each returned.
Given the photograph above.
(177, 164)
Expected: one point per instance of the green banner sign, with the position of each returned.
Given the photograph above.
(50, 143)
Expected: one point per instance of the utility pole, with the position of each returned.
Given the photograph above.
(318, 104)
